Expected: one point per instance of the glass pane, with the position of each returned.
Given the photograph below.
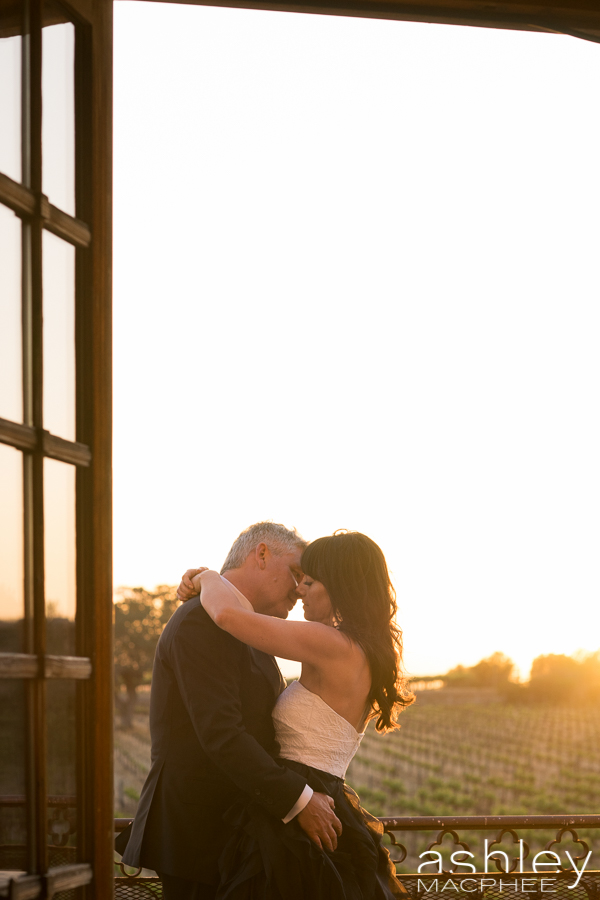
(59, 336)
(10, 89)
(59, 560)
(58, 105)
(13, 813)
(11, 377)
(11, 550)
(62, 773)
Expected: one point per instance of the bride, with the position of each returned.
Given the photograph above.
(351, 653)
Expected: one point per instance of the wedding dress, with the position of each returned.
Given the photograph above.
(267, 860)
(311, 732)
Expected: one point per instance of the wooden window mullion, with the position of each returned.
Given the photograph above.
(84, 400)
(39, 737)
(26, 665)
(38, 688)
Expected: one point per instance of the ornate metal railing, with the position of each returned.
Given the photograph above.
(518, 855)
(134, 884)
(557, 858)
(523, 857)
(62, 828)
(64, 873)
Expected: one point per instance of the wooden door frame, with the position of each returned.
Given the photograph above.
(580, 19)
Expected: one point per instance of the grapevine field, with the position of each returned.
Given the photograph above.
(461, 752)
(458, 752)
(132, 757)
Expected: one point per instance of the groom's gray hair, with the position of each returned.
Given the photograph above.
(278, 539)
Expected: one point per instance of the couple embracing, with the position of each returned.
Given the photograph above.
(246, 798)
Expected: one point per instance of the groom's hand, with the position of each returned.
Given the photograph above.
(320, 822)
(186, 588)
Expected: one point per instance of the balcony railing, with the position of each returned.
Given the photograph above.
(65, 873)
(518, 866)
(496, 857)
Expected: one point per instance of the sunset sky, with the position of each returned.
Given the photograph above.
(356, 285)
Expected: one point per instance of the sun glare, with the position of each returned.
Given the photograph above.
(356, 286)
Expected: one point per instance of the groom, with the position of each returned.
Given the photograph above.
(212, 732)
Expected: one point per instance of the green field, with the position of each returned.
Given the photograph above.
(132, 757)
(459, 752)
(462, 752)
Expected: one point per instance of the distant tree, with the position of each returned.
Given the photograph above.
(554, 677)
(559, 678)
(493, 672)
(459, 676)
(11, 635)
(60, 631)
(590, 675)
(140, 617)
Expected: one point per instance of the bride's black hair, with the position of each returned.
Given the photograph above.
(354, 572)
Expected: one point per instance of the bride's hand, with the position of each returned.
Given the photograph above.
(188, 586)
(221, 599)
(196, 580)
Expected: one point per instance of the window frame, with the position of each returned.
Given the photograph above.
(89, 231)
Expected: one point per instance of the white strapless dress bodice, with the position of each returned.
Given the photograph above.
(311, 732)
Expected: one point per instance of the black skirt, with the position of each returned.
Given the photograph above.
(267, 860)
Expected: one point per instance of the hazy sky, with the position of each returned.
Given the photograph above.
(356, 285)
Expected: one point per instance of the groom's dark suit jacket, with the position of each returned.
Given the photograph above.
(212, 740)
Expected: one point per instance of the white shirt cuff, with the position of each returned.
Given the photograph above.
(299, 805)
